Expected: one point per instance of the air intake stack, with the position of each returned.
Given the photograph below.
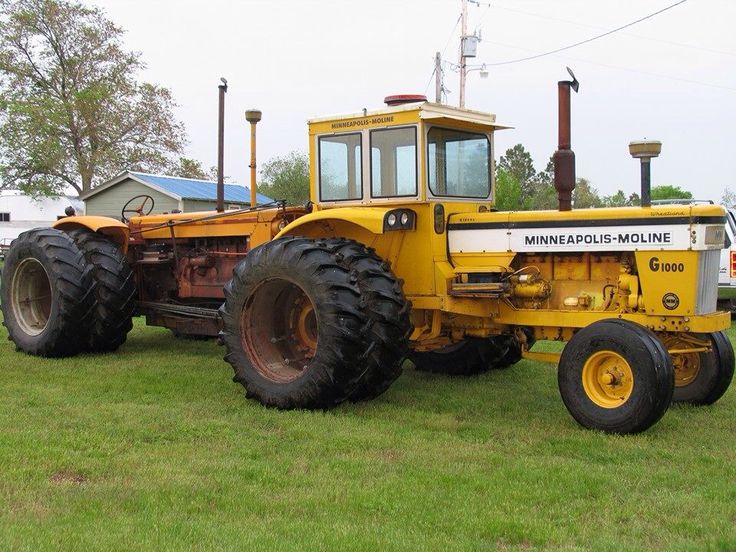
(564, 157)
(644, 151)
(221, 146)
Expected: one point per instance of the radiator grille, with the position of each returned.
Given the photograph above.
(708, 266)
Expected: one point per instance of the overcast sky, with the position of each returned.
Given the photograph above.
(670, 78)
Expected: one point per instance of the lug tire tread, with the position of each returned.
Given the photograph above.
(72, 285)
(388, 311)
(342, 351)
(115, 290)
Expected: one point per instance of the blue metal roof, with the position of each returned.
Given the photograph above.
(200, 189)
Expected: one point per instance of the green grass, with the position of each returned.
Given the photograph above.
(155, 448)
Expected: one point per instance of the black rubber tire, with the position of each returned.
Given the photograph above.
(388, 313)
(64, 290)
(262, 288)
(652, 373)
(468, 357)
(714, 376)
(513, 348)
(115, 291)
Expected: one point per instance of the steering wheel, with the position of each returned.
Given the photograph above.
(140, 210)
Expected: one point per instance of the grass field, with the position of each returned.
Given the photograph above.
(155, 448)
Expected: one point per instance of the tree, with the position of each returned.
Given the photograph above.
(547, 176)
(508, 192)
(518, 163)
(728, 198)
(584, 195)
(191, 168)
(71, 110)
(544, 196)
(286, 177)
(669, 192)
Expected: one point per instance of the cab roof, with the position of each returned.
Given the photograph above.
(410, 112)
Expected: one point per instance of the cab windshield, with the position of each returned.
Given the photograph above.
(459, 163)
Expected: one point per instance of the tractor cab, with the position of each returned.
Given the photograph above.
(411, 151)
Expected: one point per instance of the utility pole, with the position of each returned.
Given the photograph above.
(463, 33)
(437, 78)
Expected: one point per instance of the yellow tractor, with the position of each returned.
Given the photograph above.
(400, 253)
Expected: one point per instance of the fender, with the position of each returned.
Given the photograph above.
(367, 218)
(114, 229)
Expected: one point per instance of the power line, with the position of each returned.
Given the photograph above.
(632, 70)
(452, 33)
(536, 56)
(649, 38)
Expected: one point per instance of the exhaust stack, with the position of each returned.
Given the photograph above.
(644, 151)
(221, 147)
(564, 157)
(253, 116)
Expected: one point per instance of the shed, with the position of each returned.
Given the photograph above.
(168, 192)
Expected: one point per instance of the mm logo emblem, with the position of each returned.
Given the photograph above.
(670, 301)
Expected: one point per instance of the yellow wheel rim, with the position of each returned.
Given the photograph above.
(687, 365)
(687, 368)
(608, 379)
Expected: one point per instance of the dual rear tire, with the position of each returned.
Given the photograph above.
(63, 294)
(312, 323)
(47, 294)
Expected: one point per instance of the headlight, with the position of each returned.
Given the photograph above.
(399, 219)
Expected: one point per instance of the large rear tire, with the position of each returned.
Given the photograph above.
(47, 294)
(294, 325)
(388, 314)
(616, 376)
(114, 291)
(702, 378)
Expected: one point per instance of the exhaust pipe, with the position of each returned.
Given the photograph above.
(253, 116)
(564, 158)
(221, 148)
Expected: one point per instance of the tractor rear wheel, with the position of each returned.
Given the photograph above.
(294, 325)
(388, 314)
(703, 378)
(114, 291)
(616, 376)
(47, 294)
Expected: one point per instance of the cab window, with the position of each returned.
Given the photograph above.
(394, 162)
(340, 167)
(458, 163)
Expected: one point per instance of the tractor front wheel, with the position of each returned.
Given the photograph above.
(294, 326)
(702, 378)
(616, 376)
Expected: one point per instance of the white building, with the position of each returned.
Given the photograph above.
(19, 212)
